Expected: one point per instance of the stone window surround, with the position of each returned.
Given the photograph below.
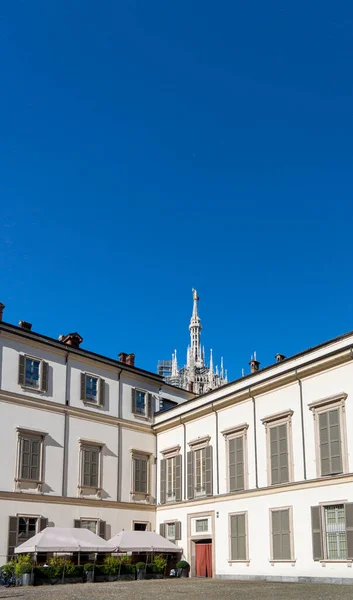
(325, 560)
(291, 560)
(324, 405)
(22, 433)
(229, 434)
(230, 560)
(97, 402)
(32, 388)
(82, 489)
(171, 452)
(200, 443)
(280, 418)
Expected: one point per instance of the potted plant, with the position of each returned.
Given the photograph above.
(183, 568)
(159, 564)
(141, 570)
(89, 572)
(24, 569)
(111, 567)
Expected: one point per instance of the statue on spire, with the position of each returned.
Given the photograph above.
(194, 294)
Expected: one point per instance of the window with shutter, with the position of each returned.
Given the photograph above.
(33, 373)
(140, 474)
(30, 457)
(190, 475)
(330, 442)
(281, 534)
(279, 454)
(236, 463)
(332, 531)
(238, 537)
(91, 466)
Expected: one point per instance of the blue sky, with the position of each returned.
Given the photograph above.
(150, 147)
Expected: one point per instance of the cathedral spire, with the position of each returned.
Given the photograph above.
(195, 331)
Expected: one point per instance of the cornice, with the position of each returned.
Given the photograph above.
(46, 499)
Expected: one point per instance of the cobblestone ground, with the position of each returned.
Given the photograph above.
(180, 589)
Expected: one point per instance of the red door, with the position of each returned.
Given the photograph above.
(203, 567)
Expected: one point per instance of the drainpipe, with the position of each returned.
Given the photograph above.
(217, 465)
(302, 421)
(255, 438)
(66, 427)
(185, 462)
(120, 445)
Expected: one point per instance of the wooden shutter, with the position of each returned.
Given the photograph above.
(102, 528)
(77, 524)
(22, 369)
(238, 537)
(149, 406)
(316, 530)
(190, 475)
(163, 482)
(162, 529)
(12, 540)
(178, 473)
(279, 454)
(133, 400)
(83, 386)
(236, 463)
(177, 530)
(335, 441)
(101, 391)
(45, 376)
(209, 470)
(43, 523)
(349, 529)
(281, 535)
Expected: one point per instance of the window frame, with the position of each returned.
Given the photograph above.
(27, 386)
(90, 520)
(270, 422)
(99, 402)
(143, 415)
(236, 560)
(291, 535)
(171, 454)
(322, 506)
(147, 523)
(231, 434)
(24, 434)
(195, 446)
(168, 537)
(145, 456)
(325, 405)
(84, 489)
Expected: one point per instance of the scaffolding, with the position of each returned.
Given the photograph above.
(164, 368)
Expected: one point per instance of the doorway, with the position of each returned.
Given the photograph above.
(203, 558)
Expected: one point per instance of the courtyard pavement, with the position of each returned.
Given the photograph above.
(180, 589)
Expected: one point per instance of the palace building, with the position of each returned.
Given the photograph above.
(252, 480)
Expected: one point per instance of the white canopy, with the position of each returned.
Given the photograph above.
(62, 539)
(142, 541)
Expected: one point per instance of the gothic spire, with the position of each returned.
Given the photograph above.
(195, 331)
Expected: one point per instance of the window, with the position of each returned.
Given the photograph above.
(170, 475)
(170, 531)
(201, 525)
(200, 469)
(33, 373)
(330, 433)
(91, 466)
(236, 457)
(30, 456)
(140, 526)
(238, 537)
(141, 403)
(281, 534)
(92, 389)
(97, 526)
(90, 525)
(332, 531)
(140, 475)
(22, 528)
(278, 431)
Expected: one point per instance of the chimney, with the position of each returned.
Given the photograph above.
(2, 306)
(25, 325)
(254, 364)
(127, 359)
(71, 339)
(279, 357)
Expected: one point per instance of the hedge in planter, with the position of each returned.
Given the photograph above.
(183, 568)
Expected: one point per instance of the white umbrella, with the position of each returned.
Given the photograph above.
(142, 541)
(65, 539)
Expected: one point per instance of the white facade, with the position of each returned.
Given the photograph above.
(253, 480)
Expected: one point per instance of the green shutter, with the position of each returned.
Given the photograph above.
(163, 482)
(177, 530)
(209, 471)
(190, 475)
(133, 400)
(238, 537)
(102, 528)
(281, 535)
(162, 529)
(45, 376)
(335, 441)
(274, 458)
(236, 463)
(12, 539)
(83, 386)
(22, 369)
(101, 391)
(349, 529)
(324, 444)
(149, 406)
(279, 454)
(178, 472)
(316, 530)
